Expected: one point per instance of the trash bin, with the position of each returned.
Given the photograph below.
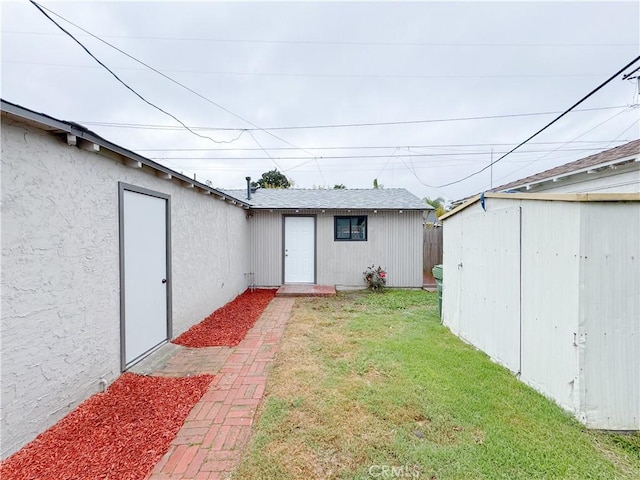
(437, 274)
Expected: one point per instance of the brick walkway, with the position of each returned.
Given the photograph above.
(211, 441)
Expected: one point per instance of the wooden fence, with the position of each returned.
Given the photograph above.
(431, 248)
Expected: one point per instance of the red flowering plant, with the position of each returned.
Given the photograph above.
(375, 277)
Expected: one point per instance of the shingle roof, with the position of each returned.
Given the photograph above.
(383, 199)
(623, 151)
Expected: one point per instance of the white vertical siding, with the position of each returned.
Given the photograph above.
(610, 314)
(402, 238)
(550, 300)
(485, 287)
(342, 263)
(266, 247)
(580, 300)
(452, 237)
(394, 241)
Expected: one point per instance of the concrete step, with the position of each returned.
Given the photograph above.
(306, 290)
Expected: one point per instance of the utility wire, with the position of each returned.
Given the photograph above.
(628, 75)
(363, 147)
(369, 167)
(324, 182)
(629, 128)
(395, 150)
(41, 9)
(265, 151)
(257, 127)
(336, 157)
(565, 143)
(588, 95)
(331, 42)
(463, 76)
(345, 125)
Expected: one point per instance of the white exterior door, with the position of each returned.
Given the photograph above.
(144, 276)
(299, 249)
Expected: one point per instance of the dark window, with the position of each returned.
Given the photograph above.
(351, 228)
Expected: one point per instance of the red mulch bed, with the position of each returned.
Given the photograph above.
(120, 434)
(228, 325)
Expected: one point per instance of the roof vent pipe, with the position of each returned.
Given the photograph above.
(248, 179)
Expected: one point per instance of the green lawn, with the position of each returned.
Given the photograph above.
(372, 386)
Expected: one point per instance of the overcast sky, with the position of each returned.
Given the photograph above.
(295, 64)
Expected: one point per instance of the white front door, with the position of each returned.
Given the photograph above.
(299, 249)
(144, 263)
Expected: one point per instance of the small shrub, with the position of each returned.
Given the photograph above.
(375, 277)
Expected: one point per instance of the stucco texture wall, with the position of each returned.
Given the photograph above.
(60, 272)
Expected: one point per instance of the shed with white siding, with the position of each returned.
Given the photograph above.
(329, 237)
(548, 285)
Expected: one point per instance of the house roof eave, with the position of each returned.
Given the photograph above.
(55, 126)
(590, 169)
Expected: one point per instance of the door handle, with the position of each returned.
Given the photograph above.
(164, 280)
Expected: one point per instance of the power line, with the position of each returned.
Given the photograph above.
(464, 76)
(347, 157)
(588, 95)
(395, 150)
(364, 147)
(125, 84)
(347, 125)
(633, 124)
(265, 151)
(566, 143)
(309, 167)
(356, 43)
(167, 77)
(628, 75)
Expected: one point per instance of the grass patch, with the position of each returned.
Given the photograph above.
(372, 386)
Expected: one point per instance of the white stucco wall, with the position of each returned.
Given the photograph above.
(394, 241)
(60, 272)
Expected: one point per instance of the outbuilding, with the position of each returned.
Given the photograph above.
(548, 285)
(329, 237)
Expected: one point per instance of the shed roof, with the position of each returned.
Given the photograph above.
(547, 197)
(628, 152)
(364, 199)
(87, 137)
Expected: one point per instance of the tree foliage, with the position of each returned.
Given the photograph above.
(273, 179)
(438, 204)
